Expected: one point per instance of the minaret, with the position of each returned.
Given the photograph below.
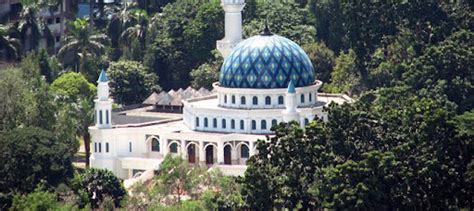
(233, 25)
(103, 104)
(290, 113)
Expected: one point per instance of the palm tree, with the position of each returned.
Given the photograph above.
(135, 33)
(119, 22)
(32, 28)
(10, 46)
(81, 44)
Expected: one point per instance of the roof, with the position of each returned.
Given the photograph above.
(266, 61)
(174, 97)
(103, 76)
(291, 87)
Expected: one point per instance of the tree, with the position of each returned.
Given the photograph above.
(177, 178)
(31, 156)
(345, 77)
(446, 69)
(284, 169)
(76, 94)
(94, 185)
(120, 20)
(328, 23)
(39, 200)
(131, 82)
(133, 38)
(32, 29)
(360, 184)
(81, 45)
(323, 60)
(207, 73)
(186, 33)
(294, 24)
(10, 45)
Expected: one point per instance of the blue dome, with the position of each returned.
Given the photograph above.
(266, 61)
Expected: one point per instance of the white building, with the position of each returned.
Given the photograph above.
(264, 80)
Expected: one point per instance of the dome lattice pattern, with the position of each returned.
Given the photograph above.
(266, 61)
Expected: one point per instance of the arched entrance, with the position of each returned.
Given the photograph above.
(192, 153)
(210, 155)
(228, 155)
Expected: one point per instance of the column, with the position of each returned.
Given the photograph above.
(251, 150)
(220, 152)
(184, 153)
(234, 155)
(164, 147)
(202, 153)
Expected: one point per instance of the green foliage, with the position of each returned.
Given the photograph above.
(32, 156)
(184, 32)
(207, 73)
(131, 82)
(345, 77)
(73, 86)
(393, 149)
(288, 20)
(94, 185)
(322, 58)
(446, 70)
(465, 123)
(177, 178)
(39, 200)
(82, 46)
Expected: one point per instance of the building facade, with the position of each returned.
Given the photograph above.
(264, 80)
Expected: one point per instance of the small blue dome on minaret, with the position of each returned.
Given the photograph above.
(291, 87)
(103, 76)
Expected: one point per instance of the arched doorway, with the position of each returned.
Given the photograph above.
(210, 155)
(192, 153)
(228, 155)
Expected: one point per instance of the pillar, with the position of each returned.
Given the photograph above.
(220, 152)
(202, 153)
(251, 148)
(184, 152)
(164, 147)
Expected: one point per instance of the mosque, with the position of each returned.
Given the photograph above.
(264, 80)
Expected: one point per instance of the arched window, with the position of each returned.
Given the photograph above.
(242, 100)
(232, 124)
(107, 116)
(100, 117)
(233, 99)
(274, 122)
(306, 121)
(205, 122)
(174, 148)
(242, 124)
(225, 98)
(155, 145)
(310, 97)
(255, 100)
(302, 98)
(197, 121)
(280, 100)
(254, 125)
(244, 151)
(268, 100)
(223, 123)
(263, 124)
(214, 123)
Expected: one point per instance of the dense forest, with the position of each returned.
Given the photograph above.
(406, 143)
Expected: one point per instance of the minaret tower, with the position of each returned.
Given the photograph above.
(233, 25)
(103, 104)
(290, 113)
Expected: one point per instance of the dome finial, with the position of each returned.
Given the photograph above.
(266, 30)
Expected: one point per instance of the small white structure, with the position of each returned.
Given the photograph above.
(264, 80)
